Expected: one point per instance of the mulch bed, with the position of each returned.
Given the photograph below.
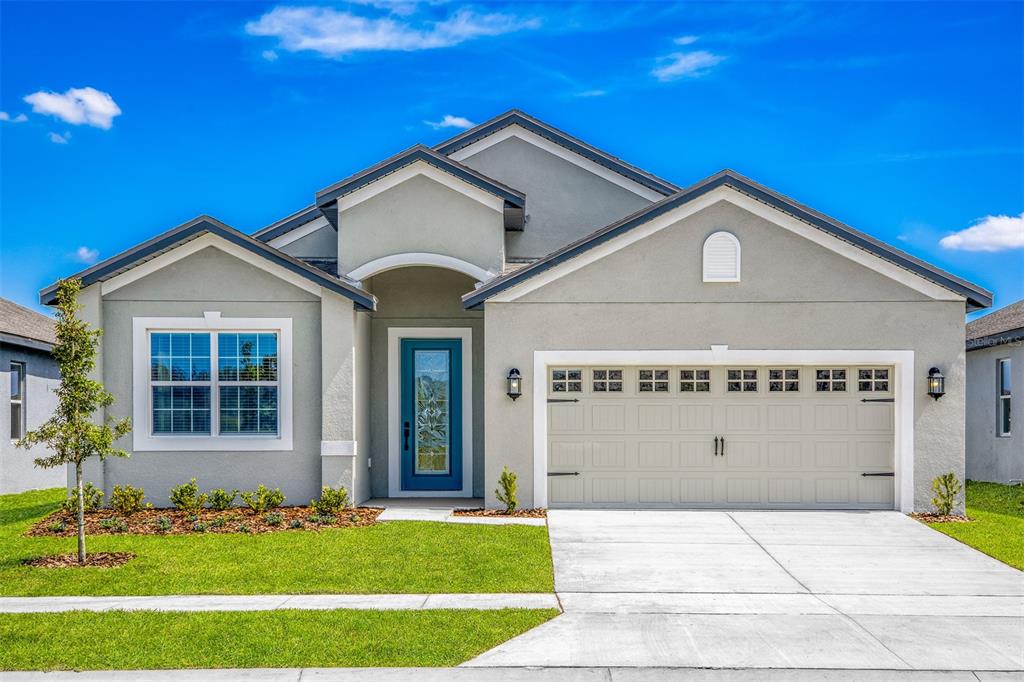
(928, 517)
(524, 513)
(234, 520)
(93, 560)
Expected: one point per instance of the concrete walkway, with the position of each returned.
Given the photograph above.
(259, 602)
(442, 509)
(815, 590)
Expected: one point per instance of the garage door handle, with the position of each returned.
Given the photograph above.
(563, 400)
(716, 446)
(723, 446)
(878, 400)
(881, 473)
(563, 473)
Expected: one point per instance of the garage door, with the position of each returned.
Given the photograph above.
(766, 437)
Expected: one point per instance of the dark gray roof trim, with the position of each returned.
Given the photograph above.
(196, 228)
(286, 225)
(997, 339)
(516, 117)
(976, 296)
(14, 340)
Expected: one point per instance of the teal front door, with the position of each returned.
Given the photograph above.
(431, 437)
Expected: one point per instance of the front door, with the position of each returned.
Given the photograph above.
(431, 437)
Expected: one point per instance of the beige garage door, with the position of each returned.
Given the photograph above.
(767, 436)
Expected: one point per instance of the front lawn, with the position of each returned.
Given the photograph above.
(392, 557)
(132, 640)
(997, 522)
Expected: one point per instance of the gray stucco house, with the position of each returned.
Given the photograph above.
(28, 378)
(995, 365)
(716, 345)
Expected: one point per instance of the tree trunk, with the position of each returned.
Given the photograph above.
(81, 513)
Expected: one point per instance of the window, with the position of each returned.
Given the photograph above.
(741, 380)
(180, 381)
(829, 380)
(653, 381)
(783, 380)
(1003, 397)
(566, 380)
(247, 374)
(695, 380)
(607, 380)
(874, 380)
(721, 258)
(17, 400)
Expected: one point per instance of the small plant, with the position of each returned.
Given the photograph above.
(273, 518)
(126, 499)
(263, 499)
(92, 497)
(114, 524)
(163, 524)
(57, 526)
(218, 522)
(221, 499)
(946, 488)
(506, 490)
(354, 518)
(332, 501)
(296, 523)
(244, 528)
(187, 498)
(321, 519)
(200, 527)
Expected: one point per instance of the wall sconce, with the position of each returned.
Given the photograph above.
(936, 383)
(515, 384)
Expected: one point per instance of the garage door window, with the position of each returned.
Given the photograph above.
(873, 380)
(741, 380)
(566, 380)
(783, 380)
(695, 380)
(607, 380)
(653, 381)
(829, 380)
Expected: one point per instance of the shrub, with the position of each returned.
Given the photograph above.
(92, 496)
(126, 499)
(187, 498)
(114, 524)
(244, 528)
(946, 488)
(57, 526)
(354, 518)
(200, 527)
(263, 499)
(296, 523)
(163, 524)
(273, 518)
(506, 490)
(321, 519)
(221, 499)
(218, 522)
(332, 501)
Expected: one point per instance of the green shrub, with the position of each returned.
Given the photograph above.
(200, 527)
(244, 528)
(332, 501)
(218, 522)
(57, 526)
(163, 524)
(273, 518)
(221, 499)
(91, 495)
(946, 488)
(506, 490)
(321, 519)
(114, 524)
(296, 523)
(187, 498)
(125, 499)
(263, 499)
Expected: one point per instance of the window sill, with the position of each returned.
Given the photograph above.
(144, 443)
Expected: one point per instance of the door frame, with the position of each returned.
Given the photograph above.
(902, 362)
(395, 336)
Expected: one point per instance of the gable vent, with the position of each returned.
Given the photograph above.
(721, 258)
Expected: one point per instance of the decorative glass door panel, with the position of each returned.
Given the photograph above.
(431, 437)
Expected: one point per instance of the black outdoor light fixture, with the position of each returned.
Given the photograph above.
(936, 383)
(515, 383)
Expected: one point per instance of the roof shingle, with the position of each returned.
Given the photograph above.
(1002, 326)
(21, 323)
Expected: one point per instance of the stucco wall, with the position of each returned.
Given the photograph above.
(991, 457)
(563, 201)
(323, 243)
(17, 469)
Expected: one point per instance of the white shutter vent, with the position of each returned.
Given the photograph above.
(721, 258)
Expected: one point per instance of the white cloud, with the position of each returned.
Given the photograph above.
(334, 33)
(450, 121)
(685, 65)
(269, 55)
(57, 138)
(20, 118)
(84, 254)
(991, 233)
(77, 106)
(685, 40)
(592, 93)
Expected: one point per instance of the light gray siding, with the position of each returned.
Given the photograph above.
(323, 243)
(17, 469)
(991, 457)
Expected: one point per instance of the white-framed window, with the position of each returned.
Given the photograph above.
(17, 400)
(652, 380)
(566, 380)
(212, 383)
(721, 258)
(784, 380)
(607, 380)
(741, 380)
(829, 380)
(1003, 392)
(695, 380)
(872, 380)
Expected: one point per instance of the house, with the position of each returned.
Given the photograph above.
(718, 345)
(995, 364)
(28, 379)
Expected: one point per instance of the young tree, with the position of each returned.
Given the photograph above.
(71, 432)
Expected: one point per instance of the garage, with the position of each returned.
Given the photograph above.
(765, 436)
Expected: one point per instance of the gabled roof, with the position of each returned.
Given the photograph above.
(206, 225)
(288, 223)
(20, 326)
(1005, 325)
(538, 127)
(976, 296)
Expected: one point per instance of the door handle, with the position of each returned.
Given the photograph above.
(716, 446)
(723, 446)
(405, 435)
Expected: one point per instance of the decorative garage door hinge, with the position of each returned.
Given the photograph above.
(878, 400)
(563, 400)
(563, 473)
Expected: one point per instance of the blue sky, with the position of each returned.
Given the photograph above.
(121, 120)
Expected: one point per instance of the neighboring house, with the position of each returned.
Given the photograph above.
(29, 377)
(995, 425)
(714, 346)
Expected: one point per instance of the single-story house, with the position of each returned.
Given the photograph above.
(517, 297)
(28, 380)
(995, 364)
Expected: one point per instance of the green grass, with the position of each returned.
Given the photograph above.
(392, 557)
(132, 640)
(997, 522)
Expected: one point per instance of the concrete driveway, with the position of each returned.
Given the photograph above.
(847, 590)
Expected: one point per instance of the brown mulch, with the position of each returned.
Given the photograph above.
(525, 513)
(928, 517)
(234, 520)
(93, 560)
